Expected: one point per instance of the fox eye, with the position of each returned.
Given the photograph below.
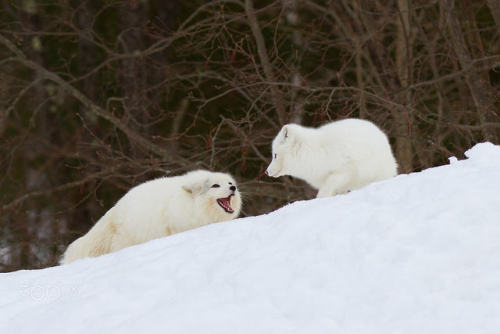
(215, 185)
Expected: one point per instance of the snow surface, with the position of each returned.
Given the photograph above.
(419, 253)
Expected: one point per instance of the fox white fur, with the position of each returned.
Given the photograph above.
(335, 158)
(158, 208)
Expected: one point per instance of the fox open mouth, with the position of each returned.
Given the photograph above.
(225, 203)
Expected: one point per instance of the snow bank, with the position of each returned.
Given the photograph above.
(416, 254)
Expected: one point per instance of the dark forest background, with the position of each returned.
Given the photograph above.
(98, 96)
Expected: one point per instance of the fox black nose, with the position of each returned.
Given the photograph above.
(232, 188)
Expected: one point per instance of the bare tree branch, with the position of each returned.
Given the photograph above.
(480, 89)
(264, 59)
(94, 108)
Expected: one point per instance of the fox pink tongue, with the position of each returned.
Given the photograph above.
(225, 203)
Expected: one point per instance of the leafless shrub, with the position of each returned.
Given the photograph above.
(96, 97)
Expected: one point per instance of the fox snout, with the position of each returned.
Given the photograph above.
(271, 172)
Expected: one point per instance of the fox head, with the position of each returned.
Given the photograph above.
(286, 146)
(217, 193)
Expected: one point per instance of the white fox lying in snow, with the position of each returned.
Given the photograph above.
(159, 208)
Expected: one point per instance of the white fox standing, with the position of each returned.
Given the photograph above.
(334, 158)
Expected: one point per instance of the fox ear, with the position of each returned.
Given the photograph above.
(193, 188)
(287, 133)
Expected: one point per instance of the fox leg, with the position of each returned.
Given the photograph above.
(335, 183)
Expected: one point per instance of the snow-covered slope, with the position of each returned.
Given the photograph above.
(416, 254)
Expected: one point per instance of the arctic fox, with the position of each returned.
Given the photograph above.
(334, 158)
(158, 208)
